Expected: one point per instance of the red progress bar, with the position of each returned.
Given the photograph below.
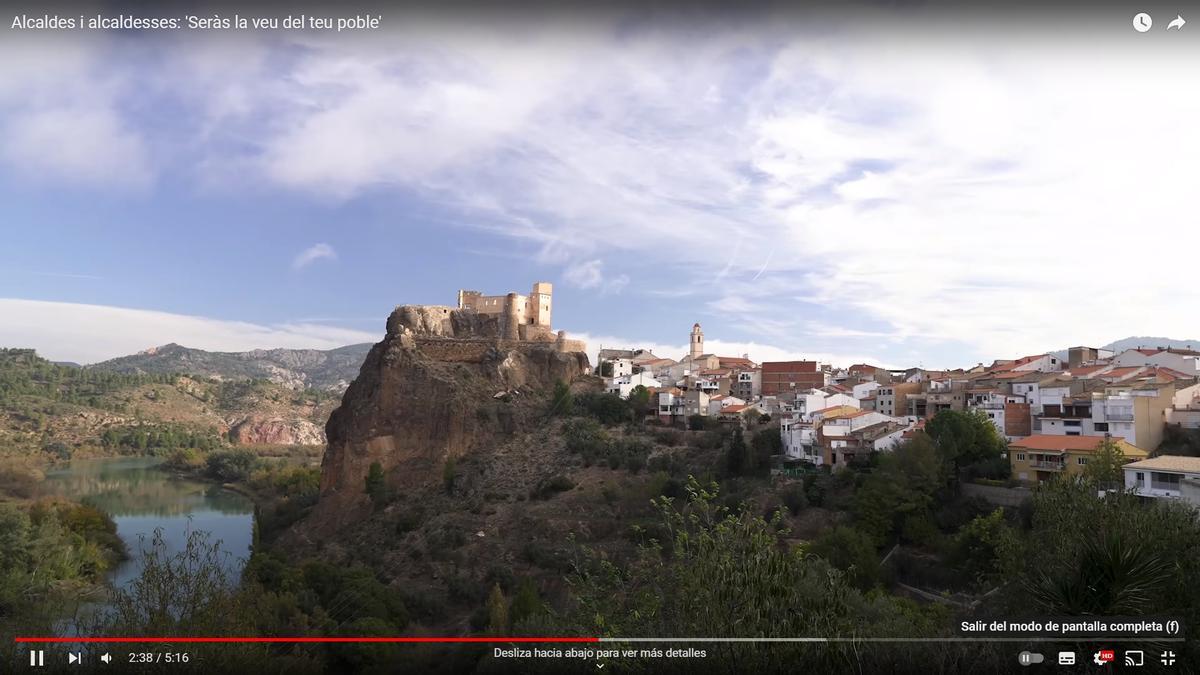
(76, 640)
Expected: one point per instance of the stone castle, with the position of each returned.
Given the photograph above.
(511, 318)
(523, 317)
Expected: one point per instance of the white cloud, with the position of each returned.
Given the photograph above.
(61, 117)
(1001, 196)
(312, 254)
(81, 333)
(590, 275)
(757, 352)
(80, 145)
(584, 275)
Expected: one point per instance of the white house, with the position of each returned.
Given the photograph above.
(815, 400)
(623, 386)
(671, 405)
(721, 401)
(1165, 476)
(1185, 407)
(1183, 360)
(620, 367)
(800, 440)
(864, 389)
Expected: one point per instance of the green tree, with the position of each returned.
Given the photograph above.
(497, 607)
(14, 538)
(376, 485)
(902, 488)
(230, 465)
(1110, 555)
(449, 473)
(561, 401)
(728, 575)
(737, 458)
(640, 403)
(1104, 466)
(526, 604)
(766, 443)
(982, 546)
(852, 552)
(964, 438)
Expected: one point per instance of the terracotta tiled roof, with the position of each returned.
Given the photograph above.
(1052, 443)
(1120, 373)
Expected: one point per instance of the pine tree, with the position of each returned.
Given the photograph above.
(497, 611)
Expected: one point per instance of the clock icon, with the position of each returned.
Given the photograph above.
(1142, 22)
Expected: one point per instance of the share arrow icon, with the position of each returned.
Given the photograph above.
(1176, 23)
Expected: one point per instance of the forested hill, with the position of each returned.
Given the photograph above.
(329, 370)
(59, 409)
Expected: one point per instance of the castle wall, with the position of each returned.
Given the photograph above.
(529, 310)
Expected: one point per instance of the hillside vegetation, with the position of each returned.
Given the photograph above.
(60, 410)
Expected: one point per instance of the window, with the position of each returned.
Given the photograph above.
(1020, 457)
(1102, 426)
(1139, 477)
(1082, 461)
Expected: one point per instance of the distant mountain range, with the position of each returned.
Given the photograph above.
(1152, 342)
(1134, 342)
(327, 370)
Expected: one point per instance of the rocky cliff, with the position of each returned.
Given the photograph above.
(264, 430)
(439, 385)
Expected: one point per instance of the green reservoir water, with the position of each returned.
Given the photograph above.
(141, 498)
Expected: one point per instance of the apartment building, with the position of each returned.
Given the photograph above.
(1042, 457)
(780, 377)
(1166, 476)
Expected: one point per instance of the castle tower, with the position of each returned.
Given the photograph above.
(697, 342)
(510, 318)
(539, 304)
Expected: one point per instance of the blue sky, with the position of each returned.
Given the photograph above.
(847, 191)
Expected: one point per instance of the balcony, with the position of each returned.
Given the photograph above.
(1048, 466)
(987, 405)
(1119, 415)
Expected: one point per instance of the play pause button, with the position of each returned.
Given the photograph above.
(37, 657)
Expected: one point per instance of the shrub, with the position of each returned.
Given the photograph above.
(231, 466)
(850, 550)
(548, 487)
(794, 498)
(584, 437)
(409, 520)
(608, 409)
(376, 488)
(449, 473)
(184, 459)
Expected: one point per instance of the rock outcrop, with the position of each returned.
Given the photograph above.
(428, 392)
(260, 430)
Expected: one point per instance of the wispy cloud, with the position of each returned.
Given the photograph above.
(312, 254)
(944, 184)
(589, 275)
(89, 333)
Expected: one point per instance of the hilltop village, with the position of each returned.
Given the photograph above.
(1054, 410)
